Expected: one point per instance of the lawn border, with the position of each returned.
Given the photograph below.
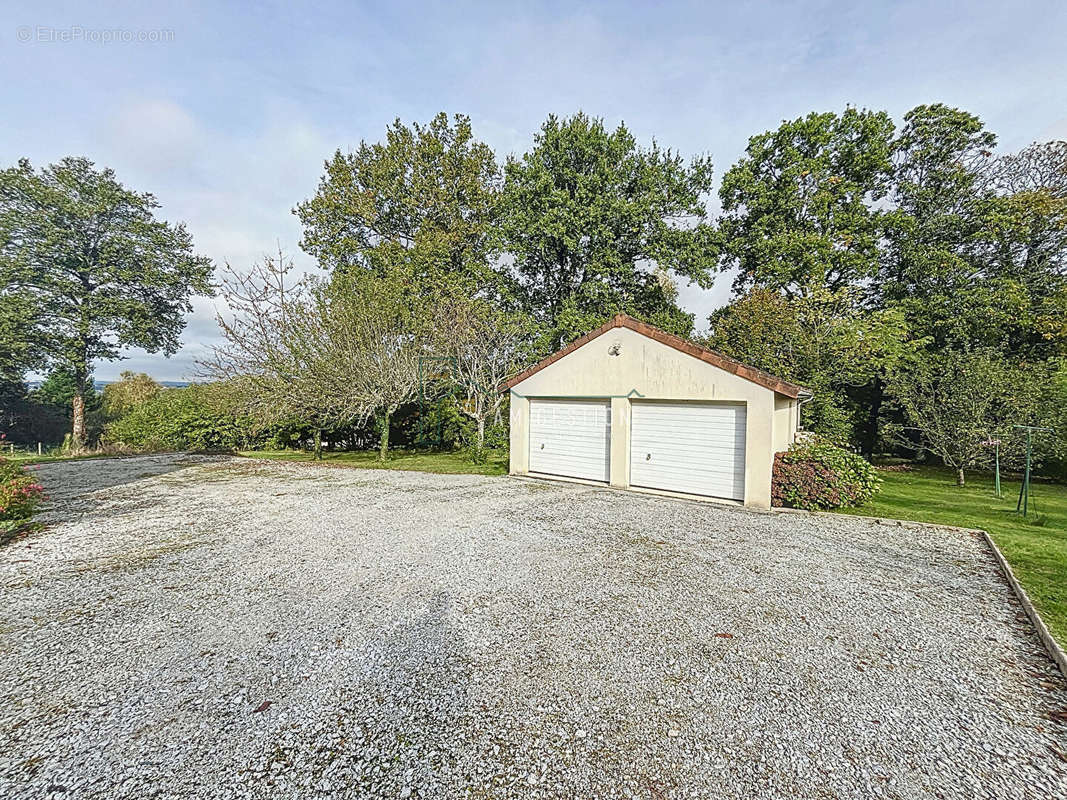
(1051, 645)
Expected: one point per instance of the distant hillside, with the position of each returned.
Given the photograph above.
(99, 385)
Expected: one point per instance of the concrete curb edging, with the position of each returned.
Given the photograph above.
(1051, 645)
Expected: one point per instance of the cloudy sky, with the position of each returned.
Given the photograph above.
(227, 114)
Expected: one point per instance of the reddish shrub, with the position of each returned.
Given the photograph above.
(819, 476)
(20, 494)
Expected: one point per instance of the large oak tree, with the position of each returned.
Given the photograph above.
(588, 217)
(799, 207)
(424, 200)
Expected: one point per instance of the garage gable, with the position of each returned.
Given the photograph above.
(668, 349)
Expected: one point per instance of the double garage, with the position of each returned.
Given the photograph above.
(631, 406)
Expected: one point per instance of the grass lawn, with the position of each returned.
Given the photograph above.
(1037, 553)
(28, 458)
(414, 460)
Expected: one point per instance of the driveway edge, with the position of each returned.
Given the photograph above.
(1051, 645)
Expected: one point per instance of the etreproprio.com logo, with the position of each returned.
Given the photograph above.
(78, 33)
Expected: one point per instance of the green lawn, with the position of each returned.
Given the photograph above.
(415, 460)
(1037, 553)
(32, 458)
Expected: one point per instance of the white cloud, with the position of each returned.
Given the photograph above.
(156, 136)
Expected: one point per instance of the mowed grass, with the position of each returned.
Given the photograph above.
(448, 463)
(1037, 553)
(28, 458)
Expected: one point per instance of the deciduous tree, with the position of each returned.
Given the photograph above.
(425, 199)
(588, 214)
(324, 352)
(272, 353)
(958, 400)
(485, 346)
(374, 333)
(823, 340)
(133, 389)
(104, 272)
(799, 207)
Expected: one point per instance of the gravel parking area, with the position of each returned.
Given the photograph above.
(232, 628)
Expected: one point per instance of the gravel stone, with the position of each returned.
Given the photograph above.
(229, 628)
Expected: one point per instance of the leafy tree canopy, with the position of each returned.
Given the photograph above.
(924, 226)
(960, 400)
(588, 215)
(798, 207)
(820, 339)
(131, 391)
(20, 343)
(426, 199)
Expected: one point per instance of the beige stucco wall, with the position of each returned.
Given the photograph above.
(786, 422)
(519, 463)
(649, 369)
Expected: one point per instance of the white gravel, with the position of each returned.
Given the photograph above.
(252, 629)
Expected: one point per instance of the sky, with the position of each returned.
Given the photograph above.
(226, 112)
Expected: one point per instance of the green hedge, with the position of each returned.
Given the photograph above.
(191, 418)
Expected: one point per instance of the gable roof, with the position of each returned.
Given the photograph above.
(706, 355)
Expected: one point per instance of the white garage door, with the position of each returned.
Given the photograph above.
(571, 438)
(696, 448)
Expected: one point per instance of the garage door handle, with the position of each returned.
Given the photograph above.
(648, 457)
(542, 445)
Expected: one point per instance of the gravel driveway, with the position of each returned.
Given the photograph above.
(199, 628)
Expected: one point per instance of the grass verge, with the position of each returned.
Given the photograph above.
(1036, 547)
(447, 463)
(44, 458)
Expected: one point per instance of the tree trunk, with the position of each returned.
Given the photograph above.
(383, 452)
(82, 383)
(959, 476)
(318, 444)
(870, 439)
(481, 434)
(77, 435)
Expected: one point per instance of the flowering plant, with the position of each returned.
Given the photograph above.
(20, 493)
(817, 475)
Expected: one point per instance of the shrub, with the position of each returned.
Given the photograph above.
(20, 495)
(817, 476)
(190, 418)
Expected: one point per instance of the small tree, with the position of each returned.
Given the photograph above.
(375, 333)
(106, 274)
(959, 400)
(134, 389)
(323, 352)
(273, 349)
(486, 346)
